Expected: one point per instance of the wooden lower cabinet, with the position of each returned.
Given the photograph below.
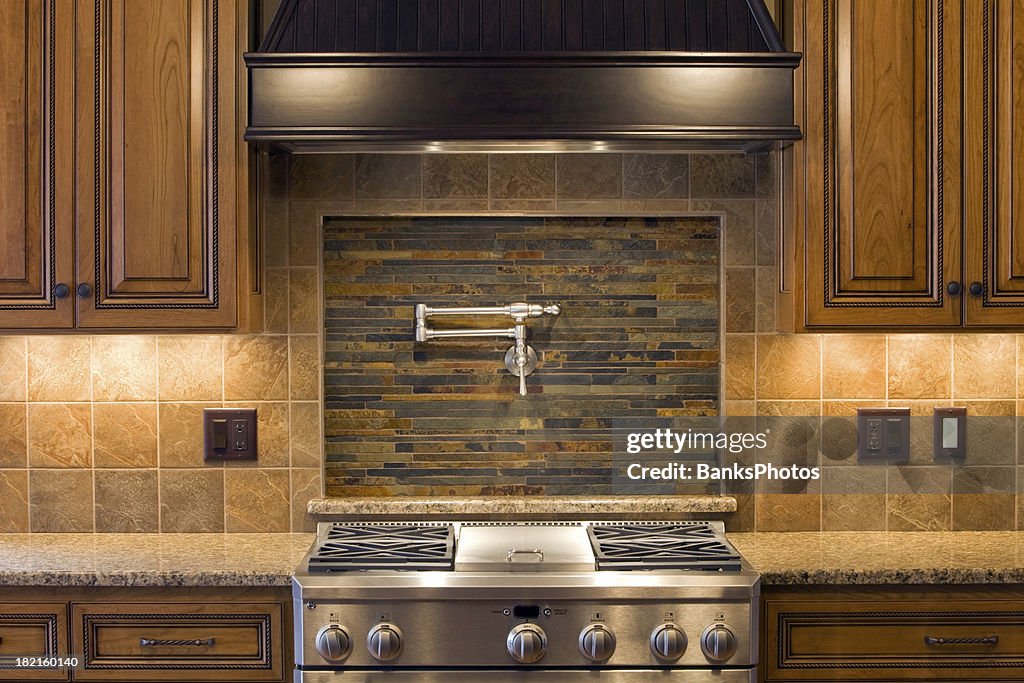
(37, 629)
(874, 633)
(151, 634)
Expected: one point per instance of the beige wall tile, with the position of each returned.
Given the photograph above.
(722, 175)
(522, 176)
(588, 176)
(387, 176)
(303, 300)
(60, 501)
(13, 369)
(320, 176)
(124, 435)
(181, 434)
(853, 512)
(275, 215)
(256, 368)
(788, 366)
(919, 366)
(788, 512)
(124, 368)
(304, 232)
(739, 366)
(739, 300)
(767, 286)
(275, 300)
(272, 441)
(305, 367)
(918, 512)
(59, 435)
(192, 501)
(14, 494)
(306, 441)
(190, 368)
(767, 221)
(13, 435)
(305, 485)
(257, 500)
(853, 366)
(983, 511)
(126, 501)
(58, 368)
(738, 230)
(984, 366)
(454, 175)
(656, 176)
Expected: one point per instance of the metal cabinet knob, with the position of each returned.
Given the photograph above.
(84, 291)
(61, 291)
(976, 289)
(954, 288)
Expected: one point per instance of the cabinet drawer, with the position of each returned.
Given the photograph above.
(34, 629)
(179, 641)
(891, 641)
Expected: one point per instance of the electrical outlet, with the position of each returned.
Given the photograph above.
(883, 434)
(229, 434)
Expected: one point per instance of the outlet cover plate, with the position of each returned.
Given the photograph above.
(229, 434)
(883, 434)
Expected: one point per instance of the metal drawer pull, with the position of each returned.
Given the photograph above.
(513, 552)
(152, 642)
(987, 640)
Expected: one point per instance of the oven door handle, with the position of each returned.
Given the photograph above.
(514, 551)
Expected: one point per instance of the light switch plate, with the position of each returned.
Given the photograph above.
(883, 434)
(229, 434)
(950, 434)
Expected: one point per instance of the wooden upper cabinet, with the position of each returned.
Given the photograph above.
(156, 162)
(994, 162)
(36, 167)
(882, 162)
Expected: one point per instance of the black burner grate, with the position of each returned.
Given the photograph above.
(417, 547)
(662, 546)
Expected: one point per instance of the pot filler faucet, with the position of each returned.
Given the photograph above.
(520, 359)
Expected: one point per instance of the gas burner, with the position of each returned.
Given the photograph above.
(681, 545)
(417, 547)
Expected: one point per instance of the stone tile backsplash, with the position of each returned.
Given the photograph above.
(79, 414)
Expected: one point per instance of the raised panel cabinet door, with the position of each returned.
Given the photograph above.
(994, 162)
(36, 167)
(156, 163)
(882, 145)
(33, 629)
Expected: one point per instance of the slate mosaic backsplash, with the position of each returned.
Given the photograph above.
(636, 344)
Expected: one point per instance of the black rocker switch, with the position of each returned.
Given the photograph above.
(229, 434)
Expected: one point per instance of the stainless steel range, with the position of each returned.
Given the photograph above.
(499, 602)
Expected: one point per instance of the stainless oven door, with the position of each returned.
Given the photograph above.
(533, 676)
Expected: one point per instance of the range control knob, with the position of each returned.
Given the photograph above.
(333, 643)
(668, 642)
(597, 642)
(527, 643)
(718, 642)
(384, 642)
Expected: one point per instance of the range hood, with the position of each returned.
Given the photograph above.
(521, 75)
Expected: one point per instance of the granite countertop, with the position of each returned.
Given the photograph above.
(519, 506)
(959, 557)
(150, 559)
(844, 558)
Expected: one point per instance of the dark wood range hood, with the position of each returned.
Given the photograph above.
(521, 75)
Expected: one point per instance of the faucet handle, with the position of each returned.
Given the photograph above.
(553, 309)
